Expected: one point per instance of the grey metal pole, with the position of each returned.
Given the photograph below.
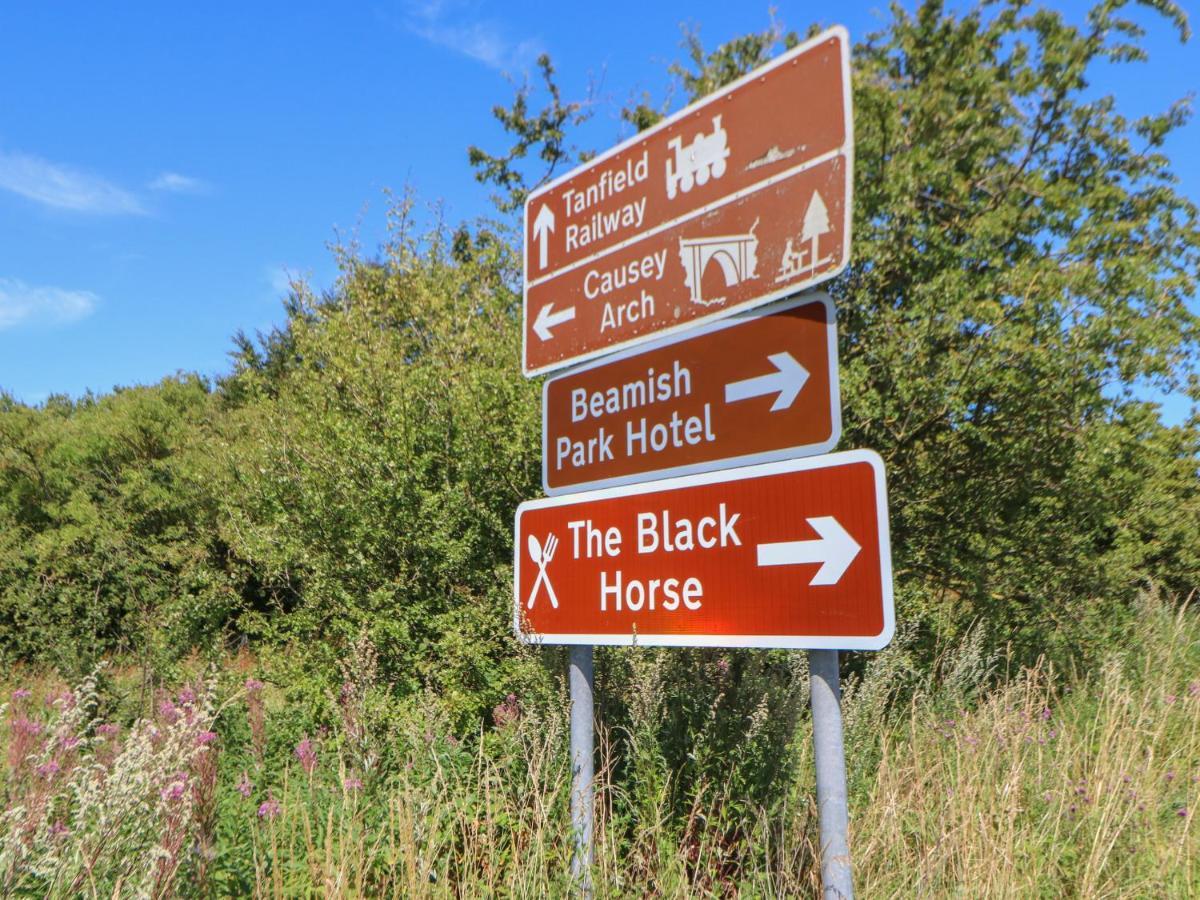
(829, 756)
(582, 766)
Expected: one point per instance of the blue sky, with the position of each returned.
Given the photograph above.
(164, 167)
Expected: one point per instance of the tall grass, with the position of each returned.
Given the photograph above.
(1049, 787)
(986, 781)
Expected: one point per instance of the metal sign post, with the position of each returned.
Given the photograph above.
(582, 766)
(830, 761)
(681, 511)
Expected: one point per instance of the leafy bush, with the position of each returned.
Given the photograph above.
(108, 538)
(375, 478)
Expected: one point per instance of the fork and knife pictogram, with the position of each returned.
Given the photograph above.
(541, 555)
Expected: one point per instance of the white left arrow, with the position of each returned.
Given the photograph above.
(547, 320)
(542, 226)
(787, 380)
(834, 550)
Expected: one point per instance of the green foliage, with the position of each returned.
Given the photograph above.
(547, 132)
(1021, 260)
(375, 482)
(108, 539)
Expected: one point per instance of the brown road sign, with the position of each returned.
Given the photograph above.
(737, 200)
(786, 554)
(747, 389)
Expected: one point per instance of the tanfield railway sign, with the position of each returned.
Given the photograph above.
(739, 199)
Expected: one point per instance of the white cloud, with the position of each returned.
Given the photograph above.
(26, 304)
(280, 279)
(63, 187)
(174, 183)
(440, 22)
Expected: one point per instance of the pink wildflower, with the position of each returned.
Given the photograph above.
(269, 808)
(1182, 812)
(22, 694)
(107, 729)
(256, 715)
(175, 790)
(24, 726)
(353, 784)
(1170, 698)
(58, 829)
(307, 755)
(187, 696)
(1045, 714)
(244, 787)
(507, 711)
(49, 770)
(168, 711)
(23, 741)
(70, 742)
(206, 737)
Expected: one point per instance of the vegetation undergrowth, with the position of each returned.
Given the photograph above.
(1042, 784)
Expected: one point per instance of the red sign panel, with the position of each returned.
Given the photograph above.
(743, 390)
(786, 554)
(737, 200)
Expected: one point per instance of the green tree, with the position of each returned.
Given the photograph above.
(1022, 260)
(107, 528)
(377, 473)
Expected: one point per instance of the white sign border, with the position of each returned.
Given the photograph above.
(847, 150)
(784, 642)
(730, 462)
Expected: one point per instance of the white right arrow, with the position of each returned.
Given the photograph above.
(542, 226)
(835, 550)
(547, 320)
(787, 380)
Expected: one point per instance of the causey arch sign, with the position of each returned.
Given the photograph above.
(739, 199)
(784, 554)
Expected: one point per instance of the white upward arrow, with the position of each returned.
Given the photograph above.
(835, 550)
(547, 320)
(542, 226)
(788, 379)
